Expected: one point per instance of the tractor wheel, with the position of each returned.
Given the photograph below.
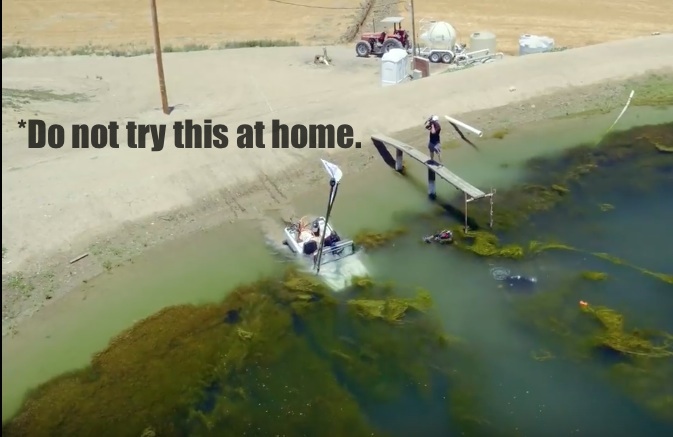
(391, 43)
(434, 57)
(447, 58)
(363, 49)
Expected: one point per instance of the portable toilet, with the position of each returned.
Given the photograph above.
(393, 67)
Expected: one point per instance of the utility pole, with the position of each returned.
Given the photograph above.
(160, 60)
(413, 30)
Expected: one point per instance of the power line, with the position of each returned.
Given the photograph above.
(334, 8)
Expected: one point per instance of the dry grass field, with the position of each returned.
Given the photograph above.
(572, 23)
(125, 23)
(74, 23)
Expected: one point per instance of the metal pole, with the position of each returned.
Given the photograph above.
(491, 214)
(432, 189)
(413, 30)
(399, 160)
(466, 229)
(160, 61)
(332, 197)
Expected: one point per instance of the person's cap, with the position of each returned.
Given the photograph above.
(435, 118)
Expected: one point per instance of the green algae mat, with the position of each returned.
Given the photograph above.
(278, 357)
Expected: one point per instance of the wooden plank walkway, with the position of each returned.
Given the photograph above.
(440, 170)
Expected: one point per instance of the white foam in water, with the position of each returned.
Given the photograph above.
(339, 274)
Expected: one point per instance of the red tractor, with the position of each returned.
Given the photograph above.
(378, 43)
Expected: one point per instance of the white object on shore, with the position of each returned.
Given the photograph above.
(529, 44)
(628, 102)
(82, 256)
(474, 130)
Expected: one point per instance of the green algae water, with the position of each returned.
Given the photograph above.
(65, 335)
(529, 381)
(542, 379)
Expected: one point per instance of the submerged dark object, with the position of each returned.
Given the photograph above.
(522, 282)
(441, 237)
(232, 317)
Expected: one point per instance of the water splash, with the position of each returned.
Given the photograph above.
(337, 275)
(500, 273)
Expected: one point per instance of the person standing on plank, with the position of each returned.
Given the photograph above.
(432, 125)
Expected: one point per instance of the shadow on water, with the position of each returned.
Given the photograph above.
(391, 415)
(384, 153)
(210, 395)
(214, 389)
(450, 210)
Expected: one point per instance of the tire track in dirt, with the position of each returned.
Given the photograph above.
(230, 199)
(270, 187)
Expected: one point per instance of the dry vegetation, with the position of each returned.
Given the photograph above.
(87, 26)
(210, 23)
(572, 23)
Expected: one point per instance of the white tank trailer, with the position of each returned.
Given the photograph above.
(439, 44)
(438, 41)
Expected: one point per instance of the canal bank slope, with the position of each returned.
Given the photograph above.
(112, 204)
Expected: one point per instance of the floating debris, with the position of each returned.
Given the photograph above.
(542, 355)
(594, 276)
(372, 240)
(636, 342)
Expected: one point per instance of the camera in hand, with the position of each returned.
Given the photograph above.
(432, 120)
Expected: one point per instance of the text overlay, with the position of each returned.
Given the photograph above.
(187, 134)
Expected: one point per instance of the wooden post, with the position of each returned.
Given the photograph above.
(466, 202)
(432, 190)
(413, 36)
(491, 213)
(160, 61)
(399, 160)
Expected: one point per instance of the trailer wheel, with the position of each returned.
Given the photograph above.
(447, 58)
(434, 57)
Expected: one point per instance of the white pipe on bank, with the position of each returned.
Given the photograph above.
(628, 102)
(464, 126)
